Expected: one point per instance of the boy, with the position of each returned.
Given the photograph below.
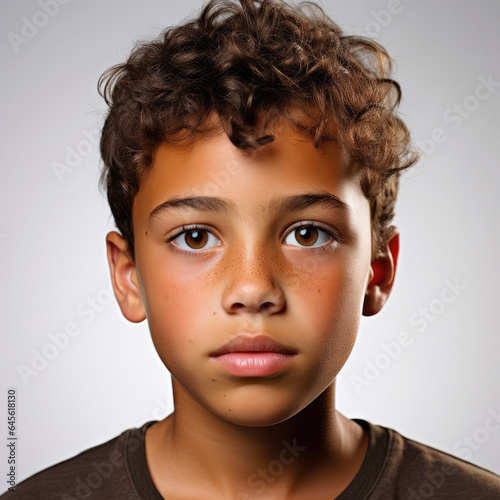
(252, 159)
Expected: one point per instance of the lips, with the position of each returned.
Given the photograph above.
(253, 356)
(253, 343)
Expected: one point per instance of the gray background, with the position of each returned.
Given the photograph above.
(440, 388)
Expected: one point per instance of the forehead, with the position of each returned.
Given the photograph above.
(247, 180)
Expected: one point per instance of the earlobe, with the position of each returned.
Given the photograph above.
(124, 278)
(382, 274)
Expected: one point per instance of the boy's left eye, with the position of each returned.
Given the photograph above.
(307, 235)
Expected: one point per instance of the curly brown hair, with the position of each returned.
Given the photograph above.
(252, 62)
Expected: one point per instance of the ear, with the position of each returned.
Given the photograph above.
(124, 277)
(382, 272)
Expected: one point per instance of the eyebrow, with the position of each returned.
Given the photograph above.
(225, 206)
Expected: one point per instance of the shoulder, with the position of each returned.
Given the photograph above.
(416, 471)
(100, 471)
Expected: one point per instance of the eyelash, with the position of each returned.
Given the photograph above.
(192, 227)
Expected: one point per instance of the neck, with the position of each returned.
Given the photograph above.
(317, 444)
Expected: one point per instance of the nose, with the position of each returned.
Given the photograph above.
(253, 282)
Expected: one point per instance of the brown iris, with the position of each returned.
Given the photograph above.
(307, 235)
(196, 238)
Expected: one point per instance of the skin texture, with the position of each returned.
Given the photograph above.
(252, 271)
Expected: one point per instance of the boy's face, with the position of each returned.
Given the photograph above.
(251, 269)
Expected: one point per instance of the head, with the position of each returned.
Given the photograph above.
(293, 126)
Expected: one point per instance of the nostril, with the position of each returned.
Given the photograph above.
(266, 305)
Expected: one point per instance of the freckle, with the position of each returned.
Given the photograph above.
(224, 395)
(213, 380)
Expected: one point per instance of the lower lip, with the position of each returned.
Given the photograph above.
(253, 364)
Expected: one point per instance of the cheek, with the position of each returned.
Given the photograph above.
(178, 302)
(328, 288)
(327, 302)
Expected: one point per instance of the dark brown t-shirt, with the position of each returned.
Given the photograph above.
(394, 468)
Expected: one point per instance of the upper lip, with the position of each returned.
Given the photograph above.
(253, 343)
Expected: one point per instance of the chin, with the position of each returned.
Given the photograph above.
(246, 419)
(261, 410)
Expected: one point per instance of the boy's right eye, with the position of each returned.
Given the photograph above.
(194, 237)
